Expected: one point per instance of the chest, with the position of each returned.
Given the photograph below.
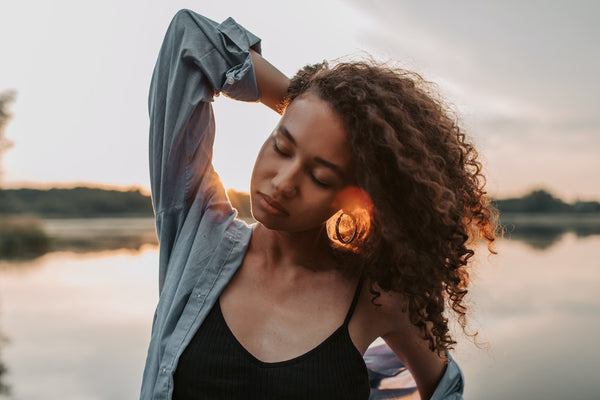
(278, 319)
(216, 365)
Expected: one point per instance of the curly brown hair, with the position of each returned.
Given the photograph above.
(424, 181)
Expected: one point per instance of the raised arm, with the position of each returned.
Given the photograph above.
(198, 59)
(272, 84)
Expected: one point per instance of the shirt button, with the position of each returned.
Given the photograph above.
(164, 370)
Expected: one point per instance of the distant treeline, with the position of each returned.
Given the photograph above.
(86, 202)
(541, 201)
(82, 202)
(76, 202)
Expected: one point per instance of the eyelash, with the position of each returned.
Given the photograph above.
(312, 177)
(319, 183)
(278, 150)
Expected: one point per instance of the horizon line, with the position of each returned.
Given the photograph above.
(146, 190)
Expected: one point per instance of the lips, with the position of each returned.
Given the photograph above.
(271, 205)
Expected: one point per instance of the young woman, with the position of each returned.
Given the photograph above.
(366, 197)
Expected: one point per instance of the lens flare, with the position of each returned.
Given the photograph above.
(353, 218)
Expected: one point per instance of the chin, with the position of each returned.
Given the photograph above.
(266, 221)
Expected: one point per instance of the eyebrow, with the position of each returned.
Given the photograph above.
(336, 168)
(287, 134)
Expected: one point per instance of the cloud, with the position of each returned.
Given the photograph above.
(522, 74)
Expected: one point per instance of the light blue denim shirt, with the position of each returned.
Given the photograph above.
(201, 242)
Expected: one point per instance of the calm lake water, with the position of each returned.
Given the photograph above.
(76, 325)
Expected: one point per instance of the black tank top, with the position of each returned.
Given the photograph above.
(216, 366)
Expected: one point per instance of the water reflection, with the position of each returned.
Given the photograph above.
(4, 388)
(538, 310)
(81, 320)
(541, 232)
(78, 321)
(93, 235)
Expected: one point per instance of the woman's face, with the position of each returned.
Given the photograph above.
(301, 167)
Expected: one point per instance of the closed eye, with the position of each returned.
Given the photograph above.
(285, 154)
(279, 151)
(320, 183)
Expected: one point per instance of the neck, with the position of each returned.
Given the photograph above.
(308, 249)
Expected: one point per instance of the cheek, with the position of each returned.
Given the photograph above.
(320, 206)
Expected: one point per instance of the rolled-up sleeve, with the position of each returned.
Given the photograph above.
(198, 59)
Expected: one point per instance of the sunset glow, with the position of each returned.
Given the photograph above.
(525, 94)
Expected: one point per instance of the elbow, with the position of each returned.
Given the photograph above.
(183, 14)
(185, 17)
(180, 19)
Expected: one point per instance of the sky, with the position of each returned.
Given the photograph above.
(522, 76)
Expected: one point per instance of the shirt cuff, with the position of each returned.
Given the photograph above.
(240, 81)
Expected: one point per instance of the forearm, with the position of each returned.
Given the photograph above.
(272, 83)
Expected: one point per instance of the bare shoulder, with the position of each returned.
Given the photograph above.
(389, 313)
(387, 310)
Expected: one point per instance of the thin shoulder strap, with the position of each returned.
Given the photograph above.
(354, 301)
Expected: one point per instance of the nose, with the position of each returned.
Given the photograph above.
(285, 181)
